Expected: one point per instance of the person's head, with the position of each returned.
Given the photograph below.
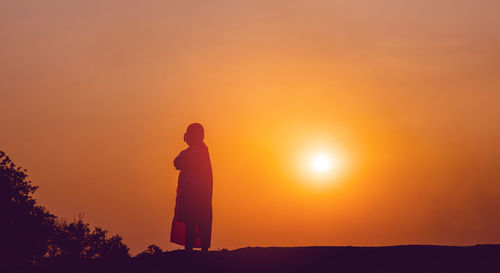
(194, 134)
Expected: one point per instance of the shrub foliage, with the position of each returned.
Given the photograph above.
(30, 233)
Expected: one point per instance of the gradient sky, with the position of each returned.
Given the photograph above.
(95, 97)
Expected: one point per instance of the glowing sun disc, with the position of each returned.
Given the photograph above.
(321, 163)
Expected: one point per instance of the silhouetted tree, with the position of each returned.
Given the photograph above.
(27, 228)
(30, 233)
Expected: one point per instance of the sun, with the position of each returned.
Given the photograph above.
(321, 163)
(325, 164)
(323, 167)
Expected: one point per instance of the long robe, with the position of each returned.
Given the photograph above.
(194, 196)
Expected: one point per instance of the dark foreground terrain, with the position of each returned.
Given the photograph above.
(412, 258)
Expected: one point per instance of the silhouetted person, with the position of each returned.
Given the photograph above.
(192, 223)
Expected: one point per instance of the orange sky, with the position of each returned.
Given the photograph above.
(95, 97)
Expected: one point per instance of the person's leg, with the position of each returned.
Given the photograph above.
(190, 236)
(204, 230)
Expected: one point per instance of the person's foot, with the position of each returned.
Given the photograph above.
(204, 249)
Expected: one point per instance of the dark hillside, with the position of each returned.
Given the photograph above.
(412, 258)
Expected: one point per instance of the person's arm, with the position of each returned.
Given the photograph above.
(185, 159)
(179, 161)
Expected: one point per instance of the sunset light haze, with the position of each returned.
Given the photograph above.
(328, 122)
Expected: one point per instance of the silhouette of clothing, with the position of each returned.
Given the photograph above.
(193, 205)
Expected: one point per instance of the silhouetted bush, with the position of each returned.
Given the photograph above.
(76, 240)
(31, 234)
(27, 228)
(151, 250)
